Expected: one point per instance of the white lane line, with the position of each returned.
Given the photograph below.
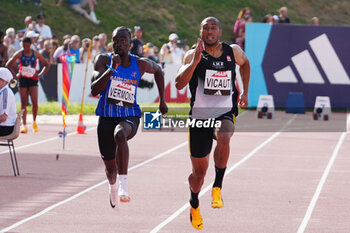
(89, 189)
(317, 193)
(42, 141)
(158, 156)
(207, 188)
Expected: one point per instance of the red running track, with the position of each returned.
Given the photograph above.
(275, 182)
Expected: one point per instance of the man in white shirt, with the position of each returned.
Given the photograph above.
(64, 49)
(7, 103)
(14, 43)
(42, 28)
(27, 21)
(176, 52)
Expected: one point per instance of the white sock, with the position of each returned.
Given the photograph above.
(113, 194)
(113, 187)
(123, 181)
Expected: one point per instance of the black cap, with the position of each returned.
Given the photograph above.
(40, 16)
(137, 28)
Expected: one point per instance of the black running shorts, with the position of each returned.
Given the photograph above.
(106, 131)
(201, 139)
(28, 82)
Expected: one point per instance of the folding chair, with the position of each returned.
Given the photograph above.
(8, 139)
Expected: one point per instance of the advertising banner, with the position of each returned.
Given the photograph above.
(314, 60)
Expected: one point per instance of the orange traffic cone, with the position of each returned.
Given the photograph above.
(81, 127)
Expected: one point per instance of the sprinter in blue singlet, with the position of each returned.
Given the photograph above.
(115, 78)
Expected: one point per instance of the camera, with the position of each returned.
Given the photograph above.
(13, 83)
(181, 43)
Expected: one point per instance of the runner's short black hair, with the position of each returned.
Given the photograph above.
(121, 28)
(212, 18)
(26, 40)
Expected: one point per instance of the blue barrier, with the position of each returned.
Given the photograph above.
(295, 103)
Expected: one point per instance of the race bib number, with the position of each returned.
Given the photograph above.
(28, 71)
(217, 82)
(121, 93)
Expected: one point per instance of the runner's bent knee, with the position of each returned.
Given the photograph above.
(223, 137)
(120, 136)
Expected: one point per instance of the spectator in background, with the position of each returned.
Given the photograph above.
(27, 21)
(95, 48)
(137, 44)
(14, 45)
(268, 19)
(33, 37)
(10, 49)
(43, 29)
(110, 47)
(239, 28)
(3, 50)
(40, 43)
(176, 52)
(315, 21)
(145, 50)
(54, 37)
(55, 46)
(65, 37)
(152, 49)
(64, 49)
(46, 52)
(19, 35)
(103, 41)
(7, 103)
(84, 50)
(276, 19)
(31, 27)
(156, 53)
(77, 5)
(165, 56)
(74, 47)
(148, 52)
(283, 18)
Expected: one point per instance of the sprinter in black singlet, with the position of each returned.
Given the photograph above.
(210, 71)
